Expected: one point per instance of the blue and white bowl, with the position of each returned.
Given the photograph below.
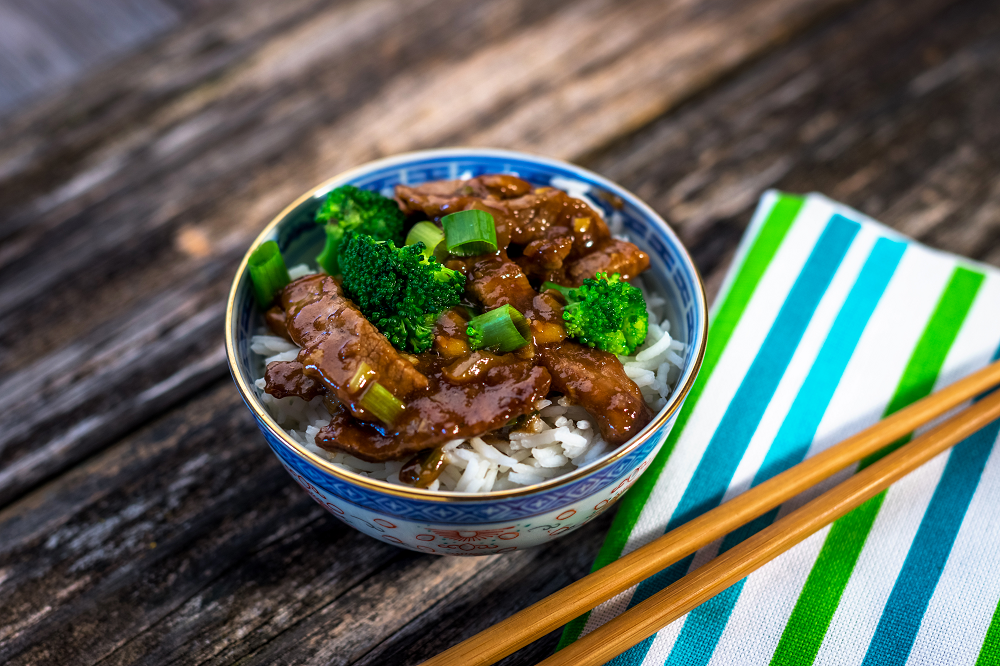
(450, 523)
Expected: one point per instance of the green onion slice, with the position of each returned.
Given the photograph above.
(361, 377)
(427, 233)
(501, 330)
(384, 405)
(469, 233)
(268, 273)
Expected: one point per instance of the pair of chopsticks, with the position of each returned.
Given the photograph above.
(648, 617)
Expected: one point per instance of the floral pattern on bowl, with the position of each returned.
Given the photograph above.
(496, 522)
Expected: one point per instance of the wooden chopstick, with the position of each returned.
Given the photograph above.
(520, 629)
(648, 617)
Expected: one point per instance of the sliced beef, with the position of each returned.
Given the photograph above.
(615, 256)
(553, 227)
(558, 237)
(275, 320)
(364, 440)
(336, 339)
(499, 186)
(442, 412)
(439, 197)
(495, 280)
(285, 378)
(434, 201)
(596, 380)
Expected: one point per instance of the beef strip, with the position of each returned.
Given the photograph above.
(336, 339)
(615, 256)
(442, 412)
(275, 320)
(438, 198)
(285, 378)
(550, 227)
(495, 280)
(596, 380)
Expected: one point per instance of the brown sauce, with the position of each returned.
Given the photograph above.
(442, 412)
(285, 378)
(453, 392)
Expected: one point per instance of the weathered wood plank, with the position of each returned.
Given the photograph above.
(908, 142)
(102, 211)
(174, 341)
(285, 601)
(172, 286)
(245, 566)
(44, 44)
(141, 530)
(223, 555)
(492, 596)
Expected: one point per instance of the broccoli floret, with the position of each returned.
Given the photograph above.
(475, 337)
(349, 210)
(398, 290)
(606, 313)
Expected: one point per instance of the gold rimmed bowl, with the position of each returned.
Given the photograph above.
(451, 523)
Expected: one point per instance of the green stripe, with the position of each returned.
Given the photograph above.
(772, 233)
(989, 654)
(820, 596)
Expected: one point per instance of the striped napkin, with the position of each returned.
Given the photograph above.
(827, 322)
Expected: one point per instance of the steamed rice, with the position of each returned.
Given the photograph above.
(563, 438)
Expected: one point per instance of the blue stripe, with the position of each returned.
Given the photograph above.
(730, 440)
(704, 625)
(900, 621)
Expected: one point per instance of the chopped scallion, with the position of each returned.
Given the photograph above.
(361, 377)
(384, 405)
(427, 233)
(469, 233)
(501, 330)
(268, 273)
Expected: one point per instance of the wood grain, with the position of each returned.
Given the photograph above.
(44, 44)
(219, 158)
(126, 202)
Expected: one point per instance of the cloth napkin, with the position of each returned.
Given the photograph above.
(827, 322)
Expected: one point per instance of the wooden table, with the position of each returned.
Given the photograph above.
(143, 519)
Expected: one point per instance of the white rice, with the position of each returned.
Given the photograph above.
(563, 438)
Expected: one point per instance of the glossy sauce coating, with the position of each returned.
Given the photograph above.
(285, 378)
(452, 391)
(336, 339)
(596, 380)
(442, 412)
(559, 238)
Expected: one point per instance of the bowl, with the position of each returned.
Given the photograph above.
(450, 523)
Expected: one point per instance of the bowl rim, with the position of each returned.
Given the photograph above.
(263, 416)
